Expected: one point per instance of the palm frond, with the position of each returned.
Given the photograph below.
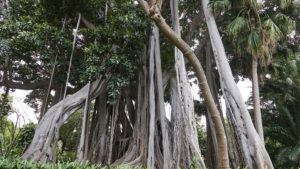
(289, 116)
(295, 154)
(219, 6)
(238, 25)
(285, 3)
(253, 4)
(286, 24)
(254, 42)
(274, 33)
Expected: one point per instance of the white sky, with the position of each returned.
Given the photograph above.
(245, 87)
(25, 112)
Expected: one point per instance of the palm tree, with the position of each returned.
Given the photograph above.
(256, 31)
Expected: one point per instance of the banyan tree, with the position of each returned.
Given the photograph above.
(134, 57)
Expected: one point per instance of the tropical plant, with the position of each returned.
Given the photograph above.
(256, 30)
(17, 163)
(281, 112)
(25, 137)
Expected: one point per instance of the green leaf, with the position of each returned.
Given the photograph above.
(274, 32)
(238, 25)
(254, 41)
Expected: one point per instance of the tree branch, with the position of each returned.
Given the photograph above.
(86, 22)
(25, 86)
(196, 22)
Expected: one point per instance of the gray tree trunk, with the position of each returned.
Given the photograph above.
(185, 101)
(244, 135)
(113, 126)
(55, 117)
(81, 153)
(165, 134)
(151, 157)
(256, 101)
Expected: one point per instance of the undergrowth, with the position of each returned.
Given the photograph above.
(17, 163)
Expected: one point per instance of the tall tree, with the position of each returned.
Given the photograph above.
(153, 11)
(262, 35)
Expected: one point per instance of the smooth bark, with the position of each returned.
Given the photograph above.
(256, 101)
(151, 157)
(81, 153)
(161, 105)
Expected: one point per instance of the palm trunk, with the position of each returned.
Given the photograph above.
(256, 101)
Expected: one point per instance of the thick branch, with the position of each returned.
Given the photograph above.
(86, 22)
(25, 86)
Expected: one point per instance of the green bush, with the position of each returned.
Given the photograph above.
(24, 138)
(17, 163)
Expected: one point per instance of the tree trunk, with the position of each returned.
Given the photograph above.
(211, 144)
(81, 153)
(136, 153)
(44, 103)
(154, 14)
(186, 103)
(46, 130)
(161, 103)
(256, 101)
(113, 126)
(244, 136)
(151, 157)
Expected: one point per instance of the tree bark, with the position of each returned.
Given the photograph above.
(40, 147)
(161, 105)
(81, 153)
(154, 14)
(244, 136)
(113, 126)
(151, 157)
(185, 101)
(256, 101)
(211, 144)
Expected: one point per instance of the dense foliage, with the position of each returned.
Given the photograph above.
(281, 113)
(114, 44)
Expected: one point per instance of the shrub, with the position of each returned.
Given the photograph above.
(17, 163)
